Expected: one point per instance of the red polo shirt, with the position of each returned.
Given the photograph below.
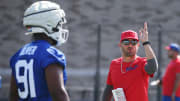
(170, 75)
(134, 81)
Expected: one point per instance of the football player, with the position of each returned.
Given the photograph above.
(38, 68)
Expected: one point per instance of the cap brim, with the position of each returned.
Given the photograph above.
(130, 38)
(167, 48)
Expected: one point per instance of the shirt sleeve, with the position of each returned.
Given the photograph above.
(144, 62)
(178, 68)
(109, 78)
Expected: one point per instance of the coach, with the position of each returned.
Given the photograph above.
(132, 72)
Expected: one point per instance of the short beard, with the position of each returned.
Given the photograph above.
(129, 55)
(170, 56)
(126, 54)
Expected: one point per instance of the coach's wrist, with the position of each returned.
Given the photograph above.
(146, 43)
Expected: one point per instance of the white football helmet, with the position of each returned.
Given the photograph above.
(46, 17)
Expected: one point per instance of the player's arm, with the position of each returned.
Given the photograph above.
(152, 64)
(13, 93)
(54, 78)
(107, 95)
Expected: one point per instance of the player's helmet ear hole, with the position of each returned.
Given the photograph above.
(55, 29)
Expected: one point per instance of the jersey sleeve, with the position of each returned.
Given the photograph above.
(109, 78)
(53, 55)
(12, 62)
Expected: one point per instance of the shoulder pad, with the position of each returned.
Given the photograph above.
(56, 53)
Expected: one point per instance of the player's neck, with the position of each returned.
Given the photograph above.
(129, 58)
(42, 36)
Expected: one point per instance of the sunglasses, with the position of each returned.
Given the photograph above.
(127, 42)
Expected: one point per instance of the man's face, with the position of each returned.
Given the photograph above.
(129, 47)
(172, 54)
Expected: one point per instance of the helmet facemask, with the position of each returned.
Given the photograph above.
(59, 33)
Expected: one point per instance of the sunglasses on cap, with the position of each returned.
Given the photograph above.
(127, 42)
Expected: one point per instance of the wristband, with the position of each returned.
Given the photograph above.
(146, 42)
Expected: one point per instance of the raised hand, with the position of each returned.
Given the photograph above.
(143, 33)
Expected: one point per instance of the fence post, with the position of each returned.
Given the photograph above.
(159, 61)
(97, 75)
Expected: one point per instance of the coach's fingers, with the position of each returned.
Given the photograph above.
(145, 26)
(141, 34)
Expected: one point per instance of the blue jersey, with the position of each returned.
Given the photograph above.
(28, 68)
